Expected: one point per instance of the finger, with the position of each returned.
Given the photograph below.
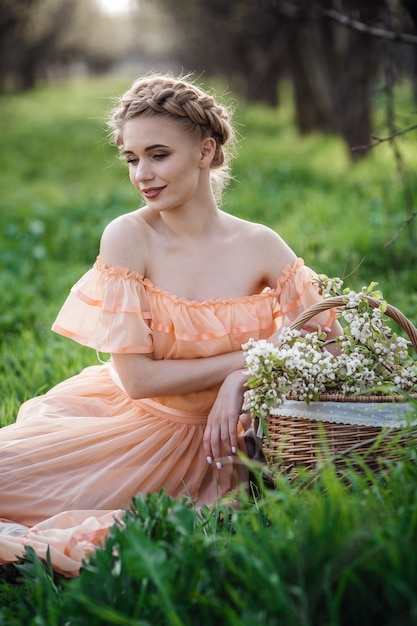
(212, 444)
(233, 437)
(229, 440)
(310, 328)
(277, 337)
(207, 444)
(246, 420)
(216, 445)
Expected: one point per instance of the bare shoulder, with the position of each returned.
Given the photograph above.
(124, 242)
(266, 235)
(268, 249)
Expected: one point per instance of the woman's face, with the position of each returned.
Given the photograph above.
(165, 162)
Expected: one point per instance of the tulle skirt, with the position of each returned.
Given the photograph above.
(78, 454)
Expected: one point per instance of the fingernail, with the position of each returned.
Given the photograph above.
(327, 329)
(230, 459)
(219, 465)
(209, 460)
(234, 450)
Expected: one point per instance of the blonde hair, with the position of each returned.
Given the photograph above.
(181, 100)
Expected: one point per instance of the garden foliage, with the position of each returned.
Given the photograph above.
(314, 551)
(317, 550)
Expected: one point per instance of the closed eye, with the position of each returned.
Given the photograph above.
(132, 160)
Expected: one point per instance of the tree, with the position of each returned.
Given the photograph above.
(332, 59)
(42, 38)
(32, 34)
(232, 39)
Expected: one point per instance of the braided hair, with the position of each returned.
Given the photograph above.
(183, 101)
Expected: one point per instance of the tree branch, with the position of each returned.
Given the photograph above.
(378, 140)
(400, 230)
(293, 11)
(364, 28)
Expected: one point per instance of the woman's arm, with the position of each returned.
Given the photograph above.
(144, 377)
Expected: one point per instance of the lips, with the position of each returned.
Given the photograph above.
(151, 192)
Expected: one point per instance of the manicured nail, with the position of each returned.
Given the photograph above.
(327, 329)
(209, 460)
(234, 450)
(219, 465)
(230, 459)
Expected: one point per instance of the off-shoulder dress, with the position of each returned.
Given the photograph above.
(76, 455)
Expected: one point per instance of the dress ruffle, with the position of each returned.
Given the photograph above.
(113, 309)
(78, 454)
(69, 537)
(296, 292)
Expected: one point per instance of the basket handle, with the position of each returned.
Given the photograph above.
(340, 301)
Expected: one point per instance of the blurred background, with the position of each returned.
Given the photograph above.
(334, 53)
(325, 98)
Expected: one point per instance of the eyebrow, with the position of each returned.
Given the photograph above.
(149, 148)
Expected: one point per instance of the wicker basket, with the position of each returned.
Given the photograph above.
(295, 441)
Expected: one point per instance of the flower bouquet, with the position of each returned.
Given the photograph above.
(299, 388)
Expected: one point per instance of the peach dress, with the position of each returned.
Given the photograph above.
(77, 455)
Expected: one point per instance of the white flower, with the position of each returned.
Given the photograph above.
(371, 356)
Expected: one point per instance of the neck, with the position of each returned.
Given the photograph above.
(193, 221)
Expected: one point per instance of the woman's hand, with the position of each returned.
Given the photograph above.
(220, 436)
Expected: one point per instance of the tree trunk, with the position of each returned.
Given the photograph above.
(332, 73)
(312, 93)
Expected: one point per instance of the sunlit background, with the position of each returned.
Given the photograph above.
(326, 52)
(115, 6)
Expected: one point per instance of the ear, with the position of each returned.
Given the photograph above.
(208, 149)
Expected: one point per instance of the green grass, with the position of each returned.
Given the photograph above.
(315, 551)
(311, 553)
(338, 216)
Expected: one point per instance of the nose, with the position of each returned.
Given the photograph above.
(143, 171)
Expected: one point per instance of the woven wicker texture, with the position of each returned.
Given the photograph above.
(296, 441)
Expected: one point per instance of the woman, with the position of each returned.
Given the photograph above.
(177, 288)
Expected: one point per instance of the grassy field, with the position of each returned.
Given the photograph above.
(61, 183)
(325, 552)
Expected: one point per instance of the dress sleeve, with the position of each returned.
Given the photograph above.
(297, 293)
(107, 310)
